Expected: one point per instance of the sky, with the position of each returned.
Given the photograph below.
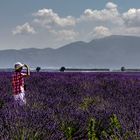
(54, 23)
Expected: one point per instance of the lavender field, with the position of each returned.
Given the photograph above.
(72, 106)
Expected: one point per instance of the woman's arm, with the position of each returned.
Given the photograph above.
(28, 70)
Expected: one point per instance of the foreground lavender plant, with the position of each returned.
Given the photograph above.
(59, 106)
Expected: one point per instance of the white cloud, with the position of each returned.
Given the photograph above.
(24, 29)
(99, 15)
(46, 17)
(134, 31)
(104, 14)
(63, 35)
(109, 15)
(111, 5)
(99, 32)
(132, 17)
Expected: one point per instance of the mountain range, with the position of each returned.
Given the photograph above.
(109, 52)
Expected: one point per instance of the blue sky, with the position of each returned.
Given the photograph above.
(53, 23)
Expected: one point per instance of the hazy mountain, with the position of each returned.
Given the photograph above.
(109, 52)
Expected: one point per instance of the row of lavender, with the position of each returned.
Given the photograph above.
(61, 106)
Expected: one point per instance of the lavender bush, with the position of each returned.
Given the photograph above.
(62, 106)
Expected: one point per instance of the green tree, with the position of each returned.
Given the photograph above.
(62, 69)
(38, 69)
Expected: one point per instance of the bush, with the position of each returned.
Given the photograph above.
(62, 69)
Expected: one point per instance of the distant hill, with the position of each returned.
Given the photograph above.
(109, 52)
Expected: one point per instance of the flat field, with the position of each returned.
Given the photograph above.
(72, 106)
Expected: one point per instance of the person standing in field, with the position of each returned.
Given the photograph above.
(18, 83)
